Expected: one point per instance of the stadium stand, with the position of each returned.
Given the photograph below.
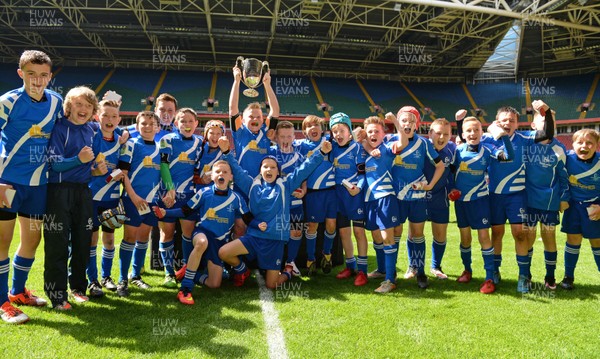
(190, 88)
(388, 94)
(442, 98)
(133, 85)
(344, 95)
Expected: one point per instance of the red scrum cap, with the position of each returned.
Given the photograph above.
(413, 111)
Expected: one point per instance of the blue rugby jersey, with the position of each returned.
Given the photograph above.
(446, 182)
(217, 211)
(546, 176)
(109, 152)
(509, 176)
(144, 173)
(584, 177)
(347, 160)
(270, 202)
(408, 166)
(66, 142)
(288, 162)
(208, 156)
(323, 177)
(471, 164)
(182, 154)
(378, 174)
(251, 148)
(25, 129)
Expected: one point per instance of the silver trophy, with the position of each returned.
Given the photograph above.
(252, 74)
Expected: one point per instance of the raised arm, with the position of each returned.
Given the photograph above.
(234, 99)
(241, 177)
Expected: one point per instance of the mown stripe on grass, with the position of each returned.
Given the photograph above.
(275, 339)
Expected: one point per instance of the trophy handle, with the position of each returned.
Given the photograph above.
(264, 70)
(239, 63)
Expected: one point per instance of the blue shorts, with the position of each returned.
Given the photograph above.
(438, 215)
(320, 204)
(29, 201)
(351, 207)
(511, 207)
(212, 250)
(576, 221)
(382, 213)
(100, 206)
(414, 211)
(180, 200)
(134, 217)
(267, 252)
(474, 214)
(548, 218)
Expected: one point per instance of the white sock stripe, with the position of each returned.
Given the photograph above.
(418, 240)
(190, 275)
(551, 263)
(488, 252)
(127, 245)
(378, 246)
(397, 239)
(350, 260)
(108, 255)
(93, 254)
(275, 339)
(465, 250)
(362, 261)
(596, 252)
(330, 235)
(390, 251)
(296, 238)
(4, 268)
(186, 239)
(311, 236)
(242, 267)
(165, 249)
(441, 244)
(21, 268)
(572, 250)
(141, 245)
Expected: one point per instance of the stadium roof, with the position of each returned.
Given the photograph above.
(429, 40)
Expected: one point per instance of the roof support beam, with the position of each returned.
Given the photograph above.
(501, 12)
(341, 16)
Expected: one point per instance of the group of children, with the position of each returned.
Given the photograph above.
(62, 171)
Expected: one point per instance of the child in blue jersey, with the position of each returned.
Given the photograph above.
(381, 205)
(348, 158)
(180, 151)
(251, 134)
(165, 107)
(438, 207)
(141, 165)
(471, 162)
(320, 200)
(68, 231)
(582, 218)
(218, 207)
(270, 196)
(407, 171)
(289, 160)
(547, 186)
(105, 194)
(210, 153)
(507, 189)
(27, 116)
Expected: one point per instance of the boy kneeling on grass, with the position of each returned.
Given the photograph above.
(269, 196)
(218, 207)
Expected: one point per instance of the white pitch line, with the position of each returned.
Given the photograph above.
(275, 339)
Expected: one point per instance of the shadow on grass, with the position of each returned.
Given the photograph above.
(154, 321)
